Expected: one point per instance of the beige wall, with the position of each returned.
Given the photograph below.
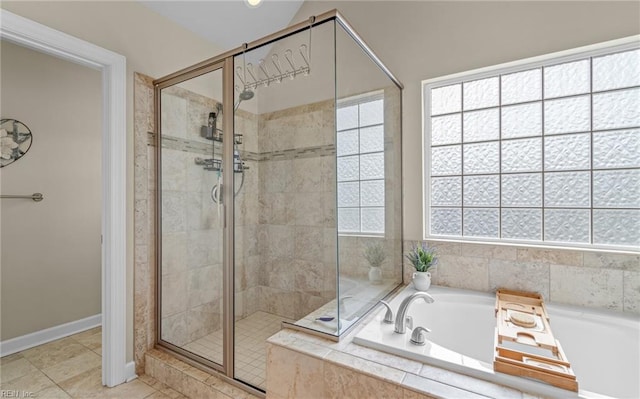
(51, 249)
(152, 45)
(419, 40)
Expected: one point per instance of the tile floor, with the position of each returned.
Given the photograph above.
(70, 368)
(251, 335)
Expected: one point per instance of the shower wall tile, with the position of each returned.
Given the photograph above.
(204, 319)
(631, 289)
(281, 275)
(140, 220)
(140, 178)
(174, 329)
(202, 212)
(280, 242)
(253, 272)
(253, 298)
(586, 278)
(349, 257)
(174, 300)
(276, 176)
(462, 272)
(348, 383)
(173, 115)
(275, 136)
(448, 248)
(284, 363)
(309, 276)
(246, 211)
(612, 261)
(204, 284)
(308, 209)
(330, 243)
(256, 273)
(297, 194)
(240, 310)
(318, 131)
(144, 120)
(278, 301)
(194, 210)
(195, 178)
(247, 302)
(144, 270)
(306, 178)
(329, 210)
(174, 252)
(275, 208)
(248, 240)
(352, 262)
(521, 276)
(149, 168)
(201, 250)
(309, 244)
(595, 288)
(174, 213)
(174, 170)
(488, 251)
(329, 177)
(557, 256)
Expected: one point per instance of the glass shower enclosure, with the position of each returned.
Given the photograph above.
(278, 194)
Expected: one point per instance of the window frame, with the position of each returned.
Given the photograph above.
(348, 102)
(546, 60)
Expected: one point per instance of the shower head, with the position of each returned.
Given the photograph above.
(247, 94)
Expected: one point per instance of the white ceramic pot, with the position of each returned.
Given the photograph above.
(375, 275)
(421, 280)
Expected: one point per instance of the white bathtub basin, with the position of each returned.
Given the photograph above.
(603, 347)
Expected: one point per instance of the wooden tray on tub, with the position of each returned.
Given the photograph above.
(524, 343)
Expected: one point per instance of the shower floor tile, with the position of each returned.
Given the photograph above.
(251, 349)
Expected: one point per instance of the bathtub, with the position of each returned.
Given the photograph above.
(603, 347)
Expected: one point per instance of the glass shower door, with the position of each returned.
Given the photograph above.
(284, 204)
(191, 214)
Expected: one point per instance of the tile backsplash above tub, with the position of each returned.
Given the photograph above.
(594, 279)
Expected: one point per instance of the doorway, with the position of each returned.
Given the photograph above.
(27, 33)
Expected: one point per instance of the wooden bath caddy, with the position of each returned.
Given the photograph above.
(524, 343)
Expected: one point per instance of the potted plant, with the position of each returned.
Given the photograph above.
(423, 258)
(374, 253)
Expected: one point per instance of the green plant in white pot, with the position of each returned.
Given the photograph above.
(374, 253)
(423, 258)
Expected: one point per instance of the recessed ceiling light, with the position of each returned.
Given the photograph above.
(253, 3)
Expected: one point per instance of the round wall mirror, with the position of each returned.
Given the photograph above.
(15, 141)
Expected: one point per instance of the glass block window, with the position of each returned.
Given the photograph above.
(360, 165)
(543, 152)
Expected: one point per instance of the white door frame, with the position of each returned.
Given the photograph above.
(27, 33)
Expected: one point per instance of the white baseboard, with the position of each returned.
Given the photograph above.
(130, 372)
(27, 341)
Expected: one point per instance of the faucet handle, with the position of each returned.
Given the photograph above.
(388, 317)
(418, 335)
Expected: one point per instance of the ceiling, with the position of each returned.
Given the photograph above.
(228, 23)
